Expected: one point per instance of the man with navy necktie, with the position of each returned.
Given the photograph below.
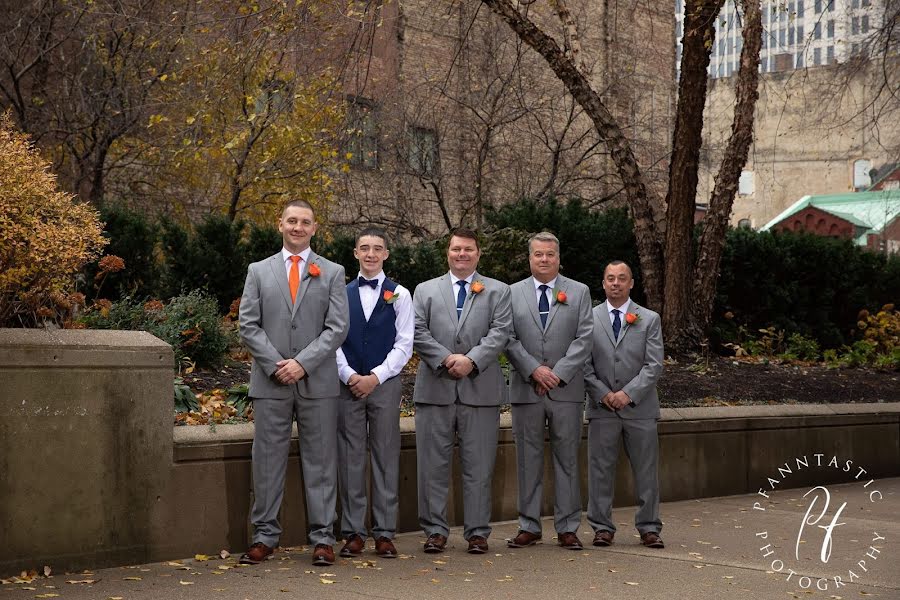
(377, 348)
(626, 362)
(551, 341)
(463, 322)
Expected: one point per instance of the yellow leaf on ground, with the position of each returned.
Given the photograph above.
(631, 583)
(186, 582)
(87, 581)
(131, 579)
(50, 595)
(201, 557)
(325, 581)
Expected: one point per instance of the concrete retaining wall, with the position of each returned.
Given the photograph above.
(85, 447)
(704, 452)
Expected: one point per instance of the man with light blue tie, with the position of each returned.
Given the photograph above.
(626, 363)
(463, 322)
(377, 348)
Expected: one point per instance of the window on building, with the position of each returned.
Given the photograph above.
(830, 54)
(854, 25)
(831, 28)
(800, 9)
(865, 2)
(791, 34)
(817, 56)
(782, 37)
(861, 177)
(818, 7)
(854, 3)
(864, 24)
(362, 133)
(423, 151)
(746, 184)
(817, 31)
(799, 63)
(854, 49)
(800, 32)
(744, 224)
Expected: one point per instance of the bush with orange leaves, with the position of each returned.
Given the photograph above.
(45, 236)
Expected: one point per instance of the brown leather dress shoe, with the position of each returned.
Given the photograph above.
(256, 553)
(435, 543)
(384, 547)
(651, 539)
(477, 545)
(353, 546)
(523, 539)
(603, 538)
(323, 555)
(569, 540)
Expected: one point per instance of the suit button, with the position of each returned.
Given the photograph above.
(618, 360)
(458, 341)
(293, 349)
(293, 327)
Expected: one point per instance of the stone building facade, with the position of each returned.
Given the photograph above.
(820, 130)
(449, 114)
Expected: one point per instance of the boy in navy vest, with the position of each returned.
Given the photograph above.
(376, 350)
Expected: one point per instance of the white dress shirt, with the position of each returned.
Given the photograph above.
(551, 285)
(286, 257)
(455, 288)
(403, 341)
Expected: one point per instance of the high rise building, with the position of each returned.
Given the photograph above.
(796, 34)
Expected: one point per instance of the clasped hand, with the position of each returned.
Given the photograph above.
(544, 379)
(289, 371)
(458, 365)
(616, 400)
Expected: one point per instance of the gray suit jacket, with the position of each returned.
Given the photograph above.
(309, 330)
(564, 345)
(632, 364)
(481, 333)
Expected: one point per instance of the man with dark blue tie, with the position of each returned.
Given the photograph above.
(377, 348)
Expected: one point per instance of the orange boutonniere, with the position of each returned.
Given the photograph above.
(632, 318)
(477, 287)
(389, 297)
(560, 296)
(314, 270)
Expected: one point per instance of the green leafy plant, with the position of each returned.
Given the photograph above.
(185, 400)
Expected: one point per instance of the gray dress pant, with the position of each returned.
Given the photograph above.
(373, 424)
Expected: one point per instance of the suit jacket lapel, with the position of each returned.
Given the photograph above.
(280, 274)
(561, 284)
(305, 280)
(470, 298)
(607, 324)
(531, 302)
(447, 295)
(625, 326)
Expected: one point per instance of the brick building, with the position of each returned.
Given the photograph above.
(449, 114)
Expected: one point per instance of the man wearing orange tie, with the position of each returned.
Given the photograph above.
(293, 317)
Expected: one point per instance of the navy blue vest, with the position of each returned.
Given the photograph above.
(369, 342)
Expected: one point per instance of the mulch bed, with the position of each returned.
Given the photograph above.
(717, 381)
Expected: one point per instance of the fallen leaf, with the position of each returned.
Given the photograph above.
(201, 557)
(46, 571)
(50, 595)
(131, 579)
(182, 582)
(87, 581)
(115, 598)
(325, 581)
(632, 583)
(435, 581)
(357, 577)
(612, 571)
(439, 562)
(175, 563)
(223, 554)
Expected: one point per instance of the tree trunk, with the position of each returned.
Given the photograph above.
(712, 240)
(649, 248)
(697, 45)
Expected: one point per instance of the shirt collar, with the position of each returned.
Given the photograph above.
(454, 278)
(622, 309)
(287, 254)
(380, 277)
(550, 284)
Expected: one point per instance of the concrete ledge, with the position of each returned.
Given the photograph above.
(85, 446)
(704, 452)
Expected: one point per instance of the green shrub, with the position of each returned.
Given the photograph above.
(189, 323)
(800, 347)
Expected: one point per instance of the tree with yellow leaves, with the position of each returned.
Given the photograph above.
(45, 236)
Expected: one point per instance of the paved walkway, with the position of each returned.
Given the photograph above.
(713, 551)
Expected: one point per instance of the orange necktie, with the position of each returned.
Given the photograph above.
(294, 277)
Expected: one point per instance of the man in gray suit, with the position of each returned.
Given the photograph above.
(626, 363)
(463, 323)
(551, 341)
(293, 317)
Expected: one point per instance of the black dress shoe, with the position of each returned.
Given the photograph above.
(435, 543)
